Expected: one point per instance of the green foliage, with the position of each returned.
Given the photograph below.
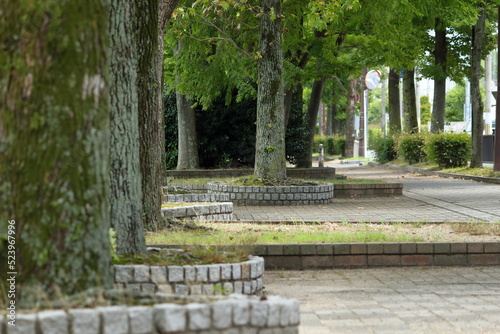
(226, 133)
(448, 149)
(425, 111)
(385, 149)
(455, 100)
(411, 148)
(332, 145)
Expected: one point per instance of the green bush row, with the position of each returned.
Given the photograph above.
(448, 150)
(332, 145)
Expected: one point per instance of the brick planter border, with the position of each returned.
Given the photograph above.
(356, 190)
(215, 211)
(324, 256)
(234, 314)
(213, 279)
(279, 195)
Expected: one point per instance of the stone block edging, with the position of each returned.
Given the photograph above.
(278, 195)
(197, 198)
(316, 256)
(213, 211)
(210, 279)
(233, 314)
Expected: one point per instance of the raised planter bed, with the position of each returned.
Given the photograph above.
(244, 278)
(213, 211)
(234, 314)
(277, 195)
(363, 190)
(329, 256)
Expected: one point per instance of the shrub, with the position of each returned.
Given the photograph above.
(411, 148)
(339, 143)
(449, 149)
(333, 145)
(385, 149)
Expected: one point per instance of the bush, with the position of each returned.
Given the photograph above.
(449, 150)
(385, 149)
(411, 148)
(333, 145)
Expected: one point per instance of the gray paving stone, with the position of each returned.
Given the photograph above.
(85, 321)
(199, 316)
(53, 322)
(141, 319)
(170, 318)
(114, 319)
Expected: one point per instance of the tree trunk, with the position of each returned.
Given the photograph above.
(410, 102)
(477, 102)
(187, 142)
(54, 154)
(439, 102)
(270, 160)
(394, 103)
(149, 83)
(125, 174)
(312, 116)
(350, 115)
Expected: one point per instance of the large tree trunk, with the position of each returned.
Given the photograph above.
(394, 103)
(54, 150)
(187, 142)
(125, 176)
(270, 160)
(477, 102)
(149, 85)
(312, 116)
(410, 101)
(350, 115)
(439, 101)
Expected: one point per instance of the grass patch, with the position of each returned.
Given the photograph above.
(240, 233)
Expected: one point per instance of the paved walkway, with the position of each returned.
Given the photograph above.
(394, 300)
(426, 199)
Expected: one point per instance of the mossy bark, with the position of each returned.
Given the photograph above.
(394, 107)
(125, 176)
(350, 116)
(270, 160)
(54, 147)
(149, 85)
(439, 101)
(475, 84)
(410, 101)
(312, 116)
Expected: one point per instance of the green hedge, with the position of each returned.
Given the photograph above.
(333, 145)
(385, 149)
(449, 150)
(411, 148)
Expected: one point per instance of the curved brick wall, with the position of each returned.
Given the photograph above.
(212, 279)
(234, 314)
(197, 198)
(279, 195)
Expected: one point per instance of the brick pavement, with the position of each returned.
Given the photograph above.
(426, 199)
(394, 300)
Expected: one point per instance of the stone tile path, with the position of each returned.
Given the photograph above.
(394, 300)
